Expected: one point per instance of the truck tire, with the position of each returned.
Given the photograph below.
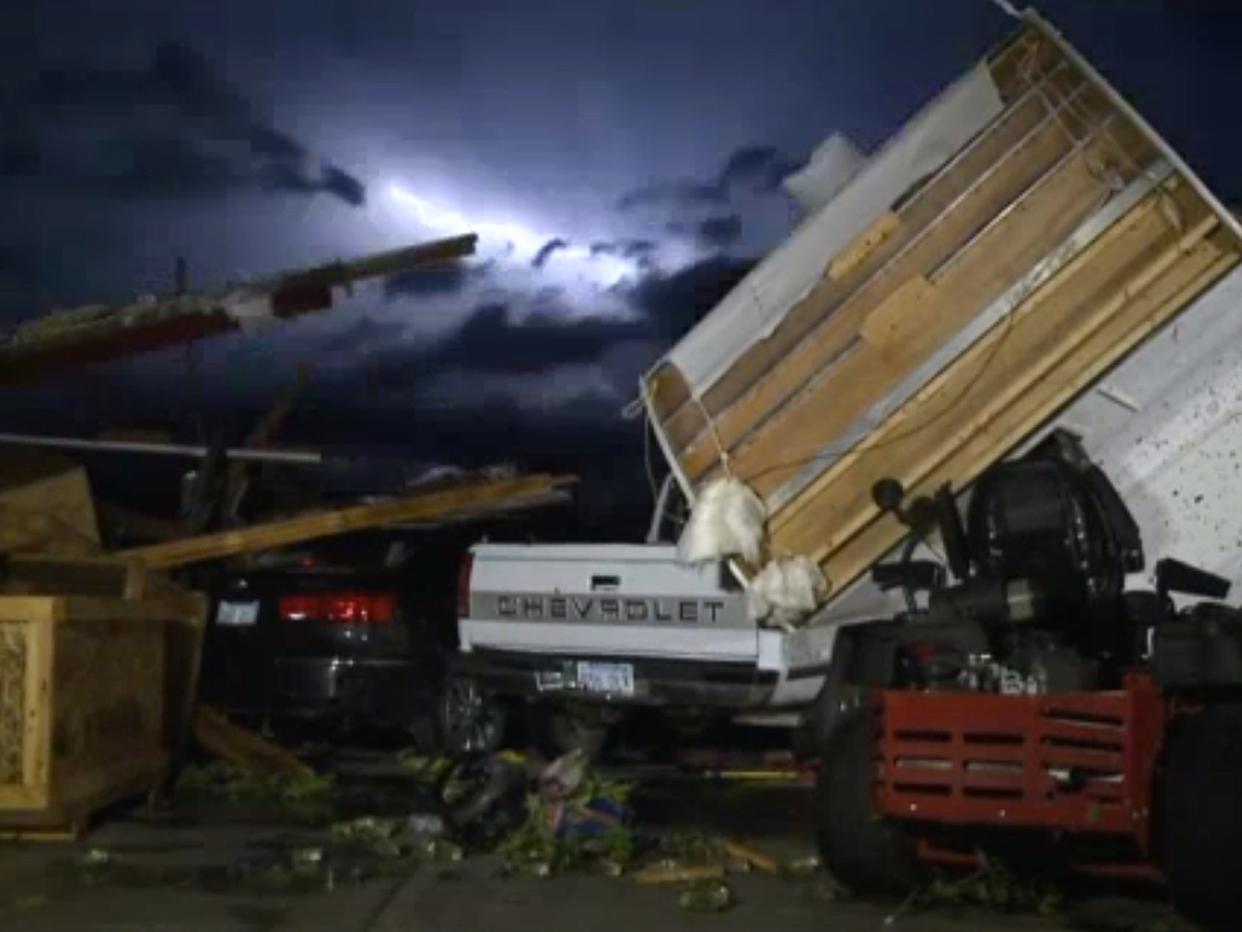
(870, 855)
(472, 719)
(1202, 819)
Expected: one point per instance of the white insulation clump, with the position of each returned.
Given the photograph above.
(787, 590)
(727, 521)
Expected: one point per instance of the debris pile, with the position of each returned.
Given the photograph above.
(574, 819)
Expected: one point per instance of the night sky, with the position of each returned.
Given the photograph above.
(620, 160)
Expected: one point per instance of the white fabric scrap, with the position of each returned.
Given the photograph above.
(250, 310)
(786, 590)
(833, 165)
(727, 521)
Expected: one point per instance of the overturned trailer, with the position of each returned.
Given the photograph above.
(1025, 307)
(981, 278)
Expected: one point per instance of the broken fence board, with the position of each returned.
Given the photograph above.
(428, 506)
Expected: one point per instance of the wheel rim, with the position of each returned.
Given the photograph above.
(472, 721)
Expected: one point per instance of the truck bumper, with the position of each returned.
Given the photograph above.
(657, 682)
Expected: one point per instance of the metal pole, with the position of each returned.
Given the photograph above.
(300, 457)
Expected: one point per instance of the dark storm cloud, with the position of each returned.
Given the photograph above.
(546, 250)
(761, 168)
(682, 192)
(494, 340)
(641, 251)
(674, 303)
(713, 232)
(344, 185)
(174, 128)
(638, 248)
(754, 168)
(449, 278)
(363, 334)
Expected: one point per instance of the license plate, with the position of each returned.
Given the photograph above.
(616, 679)
(237, 614)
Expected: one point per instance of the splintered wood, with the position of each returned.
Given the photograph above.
(473, 498)
(961, 319)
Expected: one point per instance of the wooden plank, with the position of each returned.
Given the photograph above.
(669, 394)
(1115, 257)
(857, 555)
(1030, 231)
(837, 507)
(426, 506)
(183, 662)
(918, 215)
(884, 227)
(37, 765)
(84, 608)
(800, 365)
(27, 608)
(898, 320)
(242, 747)
(1025, 53)
(996, 257)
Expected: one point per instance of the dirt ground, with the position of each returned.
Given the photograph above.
(137, 872)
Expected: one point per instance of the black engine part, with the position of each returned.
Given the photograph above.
(1039, 566)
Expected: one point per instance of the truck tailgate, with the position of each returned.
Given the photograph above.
(605, 600)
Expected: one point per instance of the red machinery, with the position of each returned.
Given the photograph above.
(1029, 705)
(1081, 762)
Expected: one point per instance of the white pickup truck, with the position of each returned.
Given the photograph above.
(585, 631)
(1025, 255)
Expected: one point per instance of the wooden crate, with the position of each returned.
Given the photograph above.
(95, 693)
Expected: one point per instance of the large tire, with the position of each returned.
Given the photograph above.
(870, 855)
(1202, 843)
(472, 719)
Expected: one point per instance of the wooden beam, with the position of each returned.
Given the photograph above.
(475, 497)
(857, 555)
(1032, 229)
(242, 747)
(1137, 276)
(1001, 356)
(960, 198)
(69, 339)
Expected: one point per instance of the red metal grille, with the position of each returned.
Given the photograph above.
(1075, 761)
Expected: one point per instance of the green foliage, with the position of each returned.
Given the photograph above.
(996, 888)
(706, 896)
(222, 785)
(689, 847)
(534, 847)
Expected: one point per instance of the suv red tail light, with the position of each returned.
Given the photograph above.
(345, 607)
(463, 585)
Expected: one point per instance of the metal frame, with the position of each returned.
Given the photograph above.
(1080, 762)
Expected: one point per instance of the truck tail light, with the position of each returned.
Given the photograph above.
(344, 607)
(463, 585)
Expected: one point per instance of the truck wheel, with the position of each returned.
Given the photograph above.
(558, 729)
(472, 720)
(1202, 819)
(868, 854)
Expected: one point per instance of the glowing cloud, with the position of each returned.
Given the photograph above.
(511, 240)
